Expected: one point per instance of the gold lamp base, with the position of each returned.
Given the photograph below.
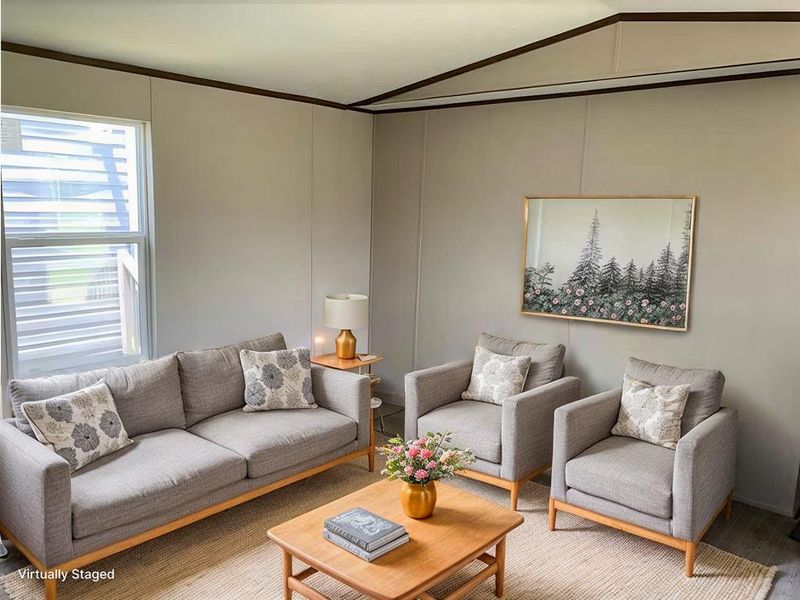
(345, 344)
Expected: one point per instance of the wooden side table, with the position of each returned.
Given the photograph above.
(348, 364)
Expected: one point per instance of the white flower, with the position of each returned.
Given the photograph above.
(555, 300)
(630, 311)
(579, 292)
(649, 309)
(672, 307)
(528, 296)
(577, 302)
(645, 302)
(563, 311)
(627, 302)
(683, 305)
(663, 303)
(569, 291)
(591, 302)
(614, 316)
(643, 321)
(617, 304)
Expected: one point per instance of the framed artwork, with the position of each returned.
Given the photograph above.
(623, 260)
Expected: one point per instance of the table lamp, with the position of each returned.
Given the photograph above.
(346, 312)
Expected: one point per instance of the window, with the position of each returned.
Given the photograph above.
(75, 242)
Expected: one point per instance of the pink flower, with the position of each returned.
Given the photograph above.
(579, 292)
(446, 456)
(683, 305)
(409, 470)
(420, 474)
(555, 300)
(577, 302)
(583, 309)
(413, 451)
(397, 450)
(591, 302)
(614, 316)
(427, 453)
(672, 307)
(431, 465)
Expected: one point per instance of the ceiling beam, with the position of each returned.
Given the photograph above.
(768, 16)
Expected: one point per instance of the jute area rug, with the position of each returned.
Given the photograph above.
(228, 556)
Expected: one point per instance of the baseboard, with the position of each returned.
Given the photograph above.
(392, 398)
(763, 505)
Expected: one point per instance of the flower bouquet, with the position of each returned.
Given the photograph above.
(418, 463)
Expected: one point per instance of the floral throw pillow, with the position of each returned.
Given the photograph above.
(651, 413)
(496, 377)
(80, 426)
(279, 379)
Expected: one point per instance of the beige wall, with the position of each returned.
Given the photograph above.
(262, 206)
(465, 170)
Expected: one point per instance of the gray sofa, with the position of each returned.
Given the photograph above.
(669, 496)
(195, 450)
(512, 443)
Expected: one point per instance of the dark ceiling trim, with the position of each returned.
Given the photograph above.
(137, 70)
(775, 16)
(600, 91)
(553, 39)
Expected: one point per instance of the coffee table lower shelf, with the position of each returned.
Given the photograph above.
(495, 566)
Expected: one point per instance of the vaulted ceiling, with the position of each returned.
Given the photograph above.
(341, 51)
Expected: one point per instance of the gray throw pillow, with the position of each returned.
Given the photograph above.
(278, 379)
(81, 426)
(651, 413)
(496, 377)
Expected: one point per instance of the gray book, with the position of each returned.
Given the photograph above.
(360, 552)
(364, 528)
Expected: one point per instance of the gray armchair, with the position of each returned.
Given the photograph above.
(512, 442)
(668, 496)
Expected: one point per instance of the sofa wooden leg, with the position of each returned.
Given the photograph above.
(729, 507)
(50, 589)
(515, 485)
(691, 550)
(551, 514)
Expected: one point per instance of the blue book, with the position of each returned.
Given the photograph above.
(361, 553)
(365, 529)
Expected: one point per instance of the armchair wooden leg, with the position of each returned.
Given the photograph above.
(371, 455)
(691, 550)
(515, 485)
(551, 514)
(729, 507)
(50, 589)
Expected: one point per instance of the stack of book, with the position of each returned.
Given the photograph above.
(364, 534)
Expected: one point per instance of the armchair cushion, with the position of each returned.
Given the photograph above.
(547, 360)
(474, 425)
(705, 393)
(626, 471)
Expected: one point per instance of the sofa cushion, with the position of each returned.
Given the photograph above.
(147, 395)
(705, 393)
(277, 380)
(81, 427)
(547, 360)
(160, 471)
(212, 381)
(626, 471)
(474, 425)
(277, 439)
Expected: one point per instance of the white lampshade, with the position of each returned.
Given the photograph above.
(346, 311)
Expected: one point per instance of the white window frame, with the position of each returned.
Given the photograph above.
(142, 238)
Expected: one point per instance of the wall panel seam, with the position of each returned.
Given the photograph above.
(423, 159)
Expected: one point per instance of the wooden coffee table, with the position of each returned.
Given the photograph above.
(463, 527)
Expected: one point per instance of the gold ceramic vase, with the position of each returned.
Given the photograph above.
(418, 499)
(345, 344)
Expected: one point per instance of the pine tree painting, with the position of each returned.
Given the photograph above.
(642, 290)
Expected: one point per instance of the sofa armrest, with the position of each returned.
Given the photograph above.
(527, 432)
(577, 426)
(704, 473)
(35, 496)
(345, 393)
(431, 388)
